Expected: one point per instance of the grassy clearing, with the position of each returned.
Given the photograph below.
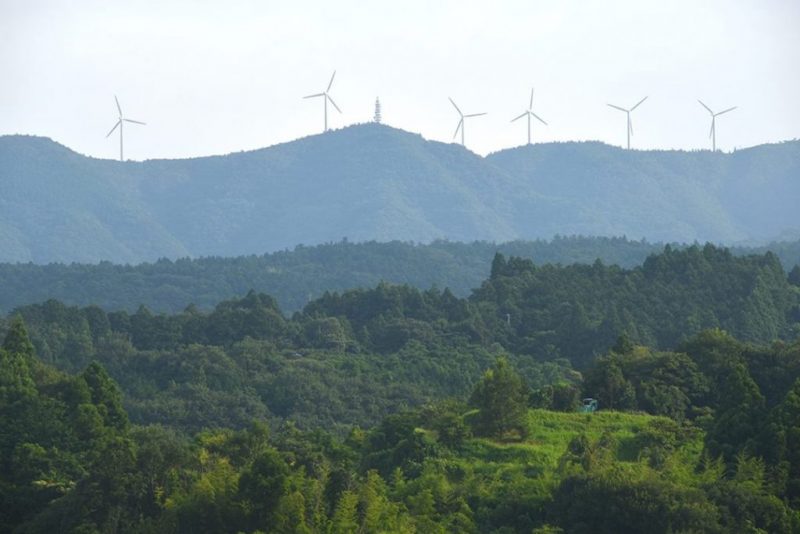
(536, 460)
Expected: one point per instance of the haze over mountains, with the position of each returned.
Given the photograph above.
(373, 182)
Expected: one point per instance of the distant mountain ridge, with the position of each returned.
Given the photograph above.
(374, 182)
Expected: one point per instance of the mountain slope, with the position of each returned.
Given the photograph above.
(665, 195)
(58, 205)
(375, 182)
(366, 182)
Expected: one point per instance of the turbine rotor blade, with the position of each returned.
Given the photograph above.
(617, 107)
(314, 96)
(474, 115)
(331, 82)
(727, 110)
(135, 122)
(119, 108)
(707, 108)
(539, 118)
(114, 128)
(454, 105)
(531, 104)
(711, 131)
(637, 105)
(460, 122)
(332, 102)
(517, 118)
(630, 126)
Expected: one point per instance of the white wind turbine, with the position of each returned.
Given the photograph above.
(461, 121)
(119, 124)
(628, 112)
(713, 133)
(326, 97)
(530, 114)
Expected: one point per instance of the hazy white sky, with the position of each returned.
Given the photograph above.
(215, 77)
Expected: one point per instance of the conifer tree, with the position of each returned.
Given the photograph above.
(501, 397)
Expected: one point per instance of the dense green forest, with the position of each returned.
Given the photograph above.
(295, 277)
(373, 182)
(700, 439)
(349, 358)
(394, 409)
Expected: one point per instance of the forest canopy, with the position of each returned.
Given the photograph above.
(407, 410)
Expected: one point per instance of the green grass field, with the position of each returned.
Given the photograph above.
(534, 466)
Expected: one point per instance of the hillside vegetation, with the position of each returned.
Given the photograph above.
(373, 182)
(303, 274)
(352, 357)
(725, 462)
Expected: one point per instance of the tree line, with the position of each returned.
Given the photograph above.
(295, 277)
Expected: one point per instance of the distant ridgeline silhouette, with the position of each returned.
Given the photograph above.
(374, 182)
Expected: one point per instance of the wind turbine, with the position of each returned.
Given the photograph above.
(326, 97)
(530, 114)
(628, 112)
(461, 121)
(713, 133)
(119, 123)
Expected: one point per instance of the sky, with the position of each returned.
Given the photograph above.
(219, 77)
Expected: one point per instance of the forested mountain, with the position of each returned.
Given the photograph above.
(351, 357)
(295, 277)
(373, 182)
(399, 410)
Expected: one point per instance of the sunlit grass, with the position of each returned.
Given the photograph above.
(534, 462)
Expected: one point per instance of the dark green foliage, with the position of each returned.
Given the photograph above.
(351, 358)
(608, 502)
(561, 396)
(263, 483)
(664, 383)
(674, 295)
(794, 276)
(718, 453)
(606, 383)
(399, 441)
(294, 277)
(501, 398)
(105, 396)
(17, 341)
(56, 429)
(74, 469)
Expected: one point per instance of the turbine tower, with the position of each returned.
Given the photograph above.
(326, 97)
(461, 121)
(530, 114)
(119, 123)
(713, 133)
(628, 112)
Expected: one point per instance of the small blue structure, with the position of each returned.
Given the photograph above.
(589, 405)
